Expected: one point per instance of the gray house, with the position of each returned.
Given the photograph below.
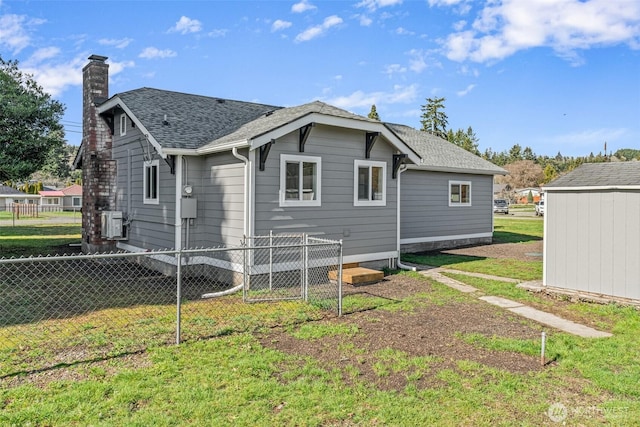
(189, 170)
(592, 230)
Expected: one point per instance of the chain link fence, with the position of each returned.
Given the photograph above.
(66, 309)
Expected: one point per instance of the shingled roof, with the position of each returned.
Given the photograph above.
(191, 120)
(440, 154)
(185, 121)
(608, 175)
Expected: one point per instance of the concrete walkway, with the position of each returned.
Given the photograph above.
(513, 306)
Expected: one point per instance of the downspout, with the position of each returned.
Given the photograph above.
(398, 202)
(178, 210)
(247, 196)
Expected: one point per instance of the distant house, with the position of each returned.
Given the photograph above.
(190, 170)
(10, 196)
(522, 195)
(72, 198)
(592, 230)
(51, 200)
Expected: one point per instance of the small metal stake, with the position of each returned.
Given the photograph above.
(544, 343)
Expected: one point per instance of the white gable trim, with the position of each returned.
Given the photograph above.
(117, 102)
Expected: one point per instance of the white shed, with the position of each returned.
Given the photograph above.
(592, 230)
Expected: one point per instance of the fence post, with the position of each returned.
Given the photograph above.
(244, 269)
(340, 278)
(305, 266)
(178, 294)
(270, 260)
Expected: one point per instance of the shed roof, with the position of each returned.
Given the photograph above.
(599, 175)
(51, 193)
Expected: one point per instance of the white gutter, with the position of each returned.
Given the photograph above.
(247, 196)
(594, 188)
(398, 202)
(178, 210)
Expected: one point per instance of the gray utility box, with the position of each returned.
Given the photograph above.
(189, 208)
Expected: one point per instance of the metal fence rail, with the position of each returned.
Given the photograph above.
(67, 309)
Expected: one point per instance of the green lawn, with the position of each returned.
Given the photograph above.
(235, 380)
(37, 239)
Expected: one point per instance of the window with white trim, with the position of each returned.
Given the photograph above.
(459, 193)
(76, 202)
(369, 183)
(151, 182)
(123, 124)
(300, 178)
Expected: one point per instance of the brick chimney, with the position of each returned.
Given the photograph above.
(98, 168)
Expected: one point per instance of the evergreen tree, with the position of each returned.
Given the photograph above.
(373, 114)
(29, 122)
(434, 120)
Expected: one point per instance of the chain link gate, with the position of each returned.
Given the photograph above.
(291, 267)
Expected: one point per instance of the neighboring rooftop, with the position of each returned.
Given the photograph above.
(616, 174)
(5, 190)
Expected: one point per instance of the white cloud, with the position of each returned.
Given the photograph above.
(566, 26)
(401, 31)
(218, 33)
(373, 5)
(419, 60)
(365, 21)
(302, 7)
(589, 136)
(117, 43)
(43, 54)
(279, 24)
(14, 32)
(465, 90)
(360, 99)
(392, 69)
(459, 26)
(318, 30)
(186, 25)
(153, 53)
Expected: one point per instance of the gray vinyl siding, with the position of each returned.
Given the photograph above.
(151, 226)
(219, 189)
(363, 229)
(425, 211)
(591, 241)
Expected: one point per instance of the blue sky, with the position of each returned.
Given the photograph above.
(554, 75)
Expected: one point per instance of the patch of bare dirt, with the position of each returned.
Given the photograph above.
(429, 331)
(529, 251)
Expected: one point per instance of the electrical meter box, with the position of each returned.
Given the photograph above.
(189, 208)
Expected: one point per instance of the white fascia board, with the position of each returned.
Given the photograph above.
(243, 143)
(594, 188)
(180, 152)
(117, 102)
(336, 122)
(453, 170)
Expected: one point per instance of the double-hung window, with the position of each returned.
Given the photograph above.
(151, 182)
(459, 193)
(369, 183)
(300, 179)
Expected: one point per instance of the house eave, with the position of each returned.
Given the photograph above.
(455, 170)
(222, 147)
(117, 102)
